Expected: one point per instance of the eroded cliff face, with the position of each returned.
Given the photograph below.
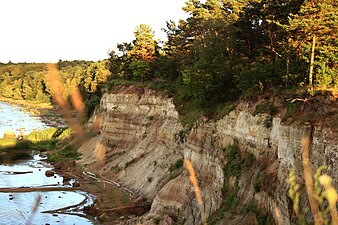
(141, 142)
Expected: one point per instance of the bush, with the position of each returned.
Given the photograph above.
(65, 154)
(234, 165)
(174, 166)
(93, 102)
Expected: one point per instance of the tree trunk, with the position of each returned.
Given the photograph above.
(287, 70)
(312, 62)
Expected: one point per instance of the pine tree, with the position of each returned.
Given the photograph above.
(144, 45)
(317, 23)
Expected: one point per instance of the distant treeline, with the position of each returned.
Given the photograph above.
(28, 81)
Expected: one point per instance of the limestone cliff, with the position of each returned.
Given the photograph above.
(141, 143)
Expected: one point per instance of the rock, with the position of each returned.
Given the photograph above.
(103, 217)
(139, 200)
(90, 210)
(76, 184)
(128, 134)
(70, 164)
(66, 179)
(49, 173)
(57, 165)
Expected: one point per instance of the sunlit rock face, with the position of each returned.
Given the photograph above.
(138, 130)
(140, 138)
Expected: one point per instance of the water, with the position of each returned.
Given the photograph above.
(24, 185)
(13, 118)
(14, 175)
(55, 207)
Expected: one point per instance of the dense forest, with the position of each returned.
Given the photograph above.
(29, 81)
(222, 50)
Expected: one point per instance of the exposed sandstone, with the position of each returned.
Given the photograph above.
(140, 136)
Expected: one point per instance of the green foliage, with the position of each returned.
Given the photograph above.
(264, 219)
(136, 60)
(140, 69)
(309, 117)
(224, 49)
(232, 168)
(176, 165)
(320, 19)
(268, 122)
(297, 192)
(36, 140)
(93, 102)
(231, 200)
(44, 145)
(266, 107)
(7, 142)
(127, 164)
(14, 155)
(291, 109)
(234, 163)
(67, 153)
(221, 50)
(28, 81)
(190, 117)
(257, 183)
(217, 217)
(24, 81)
(47, 134)
(224, 109)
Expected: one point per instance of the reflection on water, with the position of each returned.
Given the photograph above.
(27, 174)
(13, 118)
(55, 207)
(16, 208)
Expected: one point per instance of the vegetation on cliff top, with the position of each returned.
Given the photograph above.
(222, 50)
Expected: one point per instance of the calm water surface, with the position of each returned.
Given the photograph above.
(14, 118)
(55, 207)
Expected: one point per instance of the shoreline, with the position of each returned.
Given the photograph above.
(30, 104)
(113, 204)
(48, 113)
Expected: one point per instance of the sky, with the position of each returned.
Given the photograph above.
(50, 30)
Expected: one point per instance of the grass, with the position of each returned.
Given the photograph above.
(6, 143)
(257, 182)
(268, 122)
(190, 117)
(266, 107)
(32, 104)
(234, 163)
(127, 164)
(309, 117)
(67, 153)
(36, 140)
(176, 165)
(45, 140)
(14, 155)
(291, 109)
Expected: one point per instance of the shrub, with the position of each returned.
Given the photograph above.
(174, 166)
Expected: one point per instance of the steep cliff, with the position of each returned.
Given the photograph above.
(142, 144)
